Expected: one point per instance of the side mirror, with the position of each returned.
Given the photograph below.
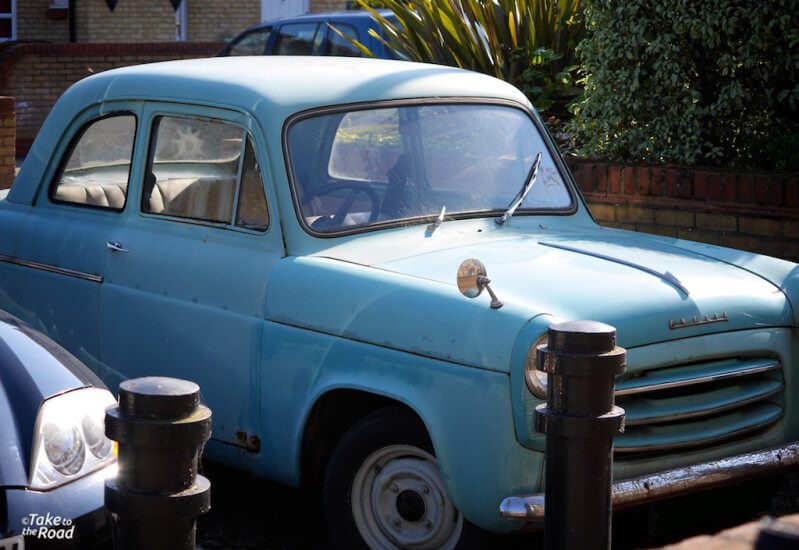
(472, 279)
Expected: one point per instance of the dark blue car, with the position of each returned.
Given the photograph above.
(54, 456)
(312, 35)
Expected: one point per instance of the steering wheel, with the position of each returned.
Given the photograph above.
(357, 188)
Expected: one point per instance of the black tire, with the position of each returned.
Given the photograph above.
(381, 429)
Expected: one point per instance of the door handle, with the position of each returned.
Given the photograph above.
(115, 246)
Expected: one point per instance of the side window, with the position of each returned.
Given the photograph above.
(251, 213)
(97, 170)
(253, 43)
(339, 46)
(195, 169)
(295, 39)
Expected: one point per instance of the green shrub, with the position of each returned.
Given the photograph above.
(691, 82)
(529, 43)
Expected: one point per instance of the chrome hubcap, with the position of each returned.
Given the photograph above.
(399, 501)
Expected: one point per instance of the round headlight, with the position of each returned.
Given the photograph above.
(536, 379)
(94, 431)
(64, 448)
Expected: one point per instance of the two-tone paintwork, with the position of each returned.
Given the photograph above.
(270, 323)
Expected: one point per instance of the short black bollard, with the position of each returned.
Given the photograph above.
(157, 494)
(580, 421)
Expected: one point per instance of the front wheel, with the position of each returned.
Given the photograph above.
(383, 488)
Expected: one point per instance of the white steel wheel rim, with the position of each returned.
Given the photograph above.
(386, 482)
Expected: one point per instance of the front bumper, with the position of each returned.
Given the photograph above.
(672, 483)
(33, 514)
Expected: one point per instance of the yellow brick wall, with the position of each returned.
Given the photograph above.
(214, 21)
(146, 20)
(33, 22)
(327, 5)
(131, 21)
(37, 74)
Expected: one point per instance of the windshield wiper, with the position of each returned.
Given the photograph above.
(439, 220)
(528, 184)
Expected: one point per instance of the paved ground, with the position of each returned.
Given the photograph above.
(252, 514)
(743, 537)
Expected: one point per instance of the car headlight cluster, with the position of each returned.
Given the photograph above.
(69, 438)
(536, 379)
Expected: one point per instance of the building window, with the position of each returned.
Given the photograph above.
(8, 20)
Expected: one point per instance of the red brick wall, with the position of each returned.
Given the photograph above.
(7, 138)
(37, 74)
(758, 212)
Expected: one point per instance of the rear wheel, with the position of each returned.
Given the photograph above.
(383, 488)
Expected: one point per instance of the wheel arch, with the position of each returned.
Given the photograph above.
(333, 413)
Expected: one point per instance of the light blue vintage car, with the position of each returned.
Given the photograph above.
(287, 232)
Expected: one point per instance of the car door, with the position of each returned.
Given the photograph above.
(186, 281)
(51, 276)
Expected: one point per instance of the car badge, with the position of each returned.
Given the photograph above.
(696, 321)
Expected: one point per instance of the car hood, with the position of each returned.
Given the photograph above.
(651, 291)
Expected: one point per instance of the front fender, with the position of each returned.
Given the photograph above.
(467, 412)
(393, 310)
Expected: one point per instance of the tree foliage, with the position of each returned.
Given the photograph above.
(529, 43)
(691, 82)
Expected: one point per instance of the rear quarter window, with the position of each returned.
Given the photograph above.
(252, 43)
(296, 39)
(338, 45)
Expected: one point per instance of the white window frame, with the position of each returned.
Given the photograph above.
(276, 9)
(13, 17)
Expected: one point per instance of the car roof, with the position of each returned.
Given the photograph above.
(277, 86)
(332, 16)
(354, 15)
(272, 88)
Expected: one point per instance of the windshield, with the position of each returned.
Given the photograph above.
(402, 164)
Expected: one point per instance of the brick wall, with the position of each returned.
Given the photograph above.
(214, 21)
(7, 142)
(758, 212)
(131, 21)
(37, 74)
(36, 22)
(144, 20)
(327, 5)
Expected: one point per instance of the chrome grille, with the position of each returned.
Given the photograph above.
(699, 404)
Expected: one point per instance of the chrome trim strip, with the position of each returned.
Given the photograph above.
(671, 483)
(696, 321)
(703, 412)
(668, 277)
(53, 269)
(695, 442)
(698, 380)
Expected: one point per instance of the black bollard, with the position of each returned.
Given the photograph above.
(580, 421)
(157, 495)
